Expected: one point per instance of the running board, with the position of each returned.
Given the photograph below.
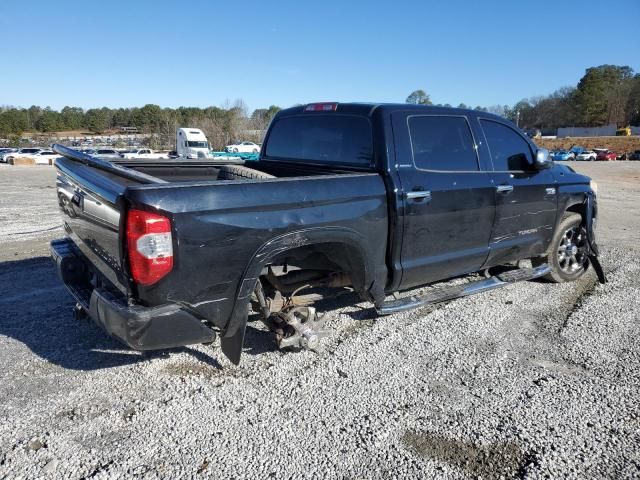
(444, 294)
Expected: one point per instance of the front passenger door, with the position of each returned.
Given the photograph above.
(448, 197)
(526, 198)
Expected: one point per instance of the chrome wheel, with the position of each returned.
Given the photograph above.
(572, 251)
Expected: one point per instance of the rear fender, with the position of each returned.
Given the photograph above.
(232, 338)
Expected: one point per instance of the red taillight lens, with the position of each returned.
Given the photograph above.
(321, 107)
(149, 246)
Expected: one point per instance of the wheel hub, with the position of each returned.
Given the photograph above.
(572, 252)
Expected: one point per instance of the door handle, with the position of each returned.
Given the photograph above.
(504, 188)
(417, 194)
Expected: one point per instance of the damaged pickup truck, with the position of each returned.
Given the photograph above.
(375, 198)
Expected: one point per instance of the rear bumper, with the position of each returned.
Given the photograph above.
(141, 328)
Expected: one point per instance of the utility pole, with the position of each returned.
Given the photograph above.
(518, 118)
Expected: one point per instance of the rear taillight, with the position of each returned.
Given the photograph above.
(321, 107)
(149, 246)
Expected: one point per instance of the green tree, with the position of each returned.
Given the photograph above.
(49, 121)
(633, 103)
(72, 118)
(418, 97)
(97, 120)
(602, 94)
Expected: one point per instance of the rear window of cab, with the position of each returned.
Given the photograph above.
(336, 139)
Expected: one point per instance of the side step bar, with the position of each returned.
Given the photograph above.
(444, 294)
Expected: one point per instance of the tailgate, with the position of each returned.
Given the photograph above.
(89, 200)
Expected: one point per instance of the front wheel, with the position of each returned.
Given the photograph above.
(567, 255)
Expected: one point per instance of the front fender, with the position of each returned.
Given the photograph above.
(590, 206)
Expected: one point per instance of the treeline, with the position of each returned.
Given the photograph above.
(222, 125)
(605, 95)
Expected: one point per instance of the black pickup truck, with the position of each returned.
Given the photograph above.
(378, 198)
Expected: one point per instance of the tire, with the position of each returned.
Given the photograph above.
(567, 254)
(234, 150)
(255, 150)
(238, 172)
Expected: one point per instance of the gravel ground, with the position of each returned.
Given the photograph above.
(532, 381)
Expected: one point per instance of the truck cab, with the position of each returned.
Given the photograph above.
(191, 143)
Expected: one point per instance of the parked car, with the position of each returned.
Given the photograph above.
(378, 198)
(243, 147)
(45, 157)
(606, 155)
(6, 152)
(562, 155)
(635, 155)
(107, 153)
(587, 155)
(576, 150)
(143, 153)
(21, 153)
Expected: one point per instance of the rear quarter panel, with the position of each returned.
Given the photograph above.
(219, 229)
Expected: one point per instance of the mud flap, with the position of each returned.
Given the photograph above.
(591, 242)
(232, 340)
(232, 345)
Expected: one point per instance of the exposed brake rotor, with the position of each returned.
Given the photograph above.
(297, 327)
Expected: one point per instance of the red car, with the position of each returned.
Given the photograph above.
(606, 155)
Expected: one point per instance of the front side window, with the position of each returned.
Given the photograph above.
(339, 139)
(509, 151)
(442, 143)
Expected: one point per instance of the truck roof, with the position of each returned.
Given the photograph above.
(367, 109)
(192, 133)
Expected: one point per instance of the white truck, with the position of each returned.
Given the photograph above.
(191, 143)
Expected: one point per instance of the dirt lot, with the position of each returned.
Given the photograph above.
(532, 381)
(616, 144)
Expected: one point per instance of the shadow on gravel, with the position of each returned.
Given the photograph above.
(36, 310)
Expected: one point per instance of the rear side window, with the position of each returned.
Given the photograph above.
(442, 143)
(509, 151)
(342, 139)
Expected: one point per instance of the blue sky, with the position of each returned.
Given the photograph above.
(201, 53)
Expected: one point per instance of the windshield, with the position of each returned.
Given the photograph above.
(343, 139)
(196, 144)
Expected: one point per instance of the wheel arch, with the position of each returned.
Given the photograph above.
(353, 252)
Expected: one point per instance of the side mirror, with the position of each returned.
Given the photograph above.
(543, 159)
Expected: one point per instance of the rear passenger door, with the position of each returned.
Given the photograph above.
(526, 198)
(448, 197)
